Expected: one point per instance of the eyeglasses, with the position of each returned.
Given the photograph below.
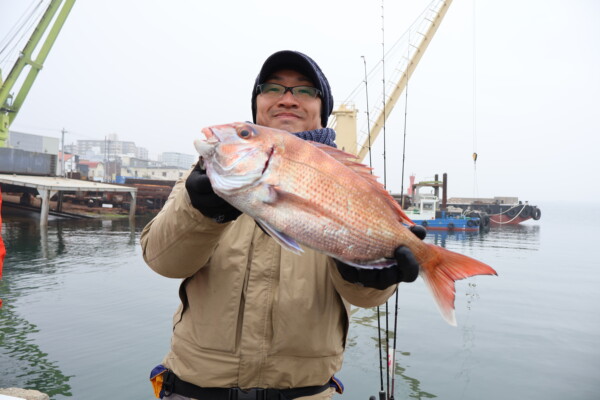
(275, 90)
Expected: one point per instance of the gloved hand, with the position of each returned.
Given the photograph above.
(205, 200)
(405, 270)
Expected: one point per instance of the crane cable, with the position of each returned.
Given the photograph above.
(23, 25)
(475, 185)
(390, 52)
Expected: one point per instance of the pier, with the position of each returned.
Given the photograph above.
(48, 186)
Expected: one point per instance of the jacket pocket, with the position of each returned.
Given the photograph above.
(309, 317)
(211, 318)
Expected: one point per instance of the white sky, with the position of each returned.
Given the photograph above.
(156, 72)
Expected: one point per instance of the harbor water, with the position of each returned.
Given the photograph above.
(85, 318)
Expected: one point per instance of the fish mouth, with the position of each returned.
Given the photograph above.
(210, 139)
(205, 144)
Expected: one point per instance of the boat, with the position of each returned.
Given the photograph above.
(501, 210)
(498, 210)
(428, 215)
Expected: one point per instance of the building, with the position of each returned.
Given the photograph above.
(92, 170)
(71, 162)
(142, 153)
(157, 173)
(70, 148)
(128, 161)
(33, 143)
(29, 154)
(180, 160)
(109, 148)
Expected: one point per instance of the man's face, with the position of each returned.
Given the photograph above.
(288, 112)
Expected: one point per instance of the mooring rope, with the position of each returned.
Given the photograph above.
(523, 206)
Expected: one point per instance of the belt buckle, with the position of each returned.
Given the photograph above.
(250, 394)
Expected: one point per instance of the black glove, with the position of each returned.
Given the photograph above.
(205, 200)
(405, 270)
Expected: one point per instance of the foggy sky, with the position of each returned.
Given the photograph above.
(515, 81)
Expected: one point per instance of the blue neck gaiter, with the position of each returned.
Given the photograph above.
(323, 135)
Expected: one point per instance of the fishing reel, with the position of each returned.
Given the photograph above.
(382, 396)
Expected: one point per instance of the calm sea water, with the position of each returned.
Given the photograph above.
(83, 317)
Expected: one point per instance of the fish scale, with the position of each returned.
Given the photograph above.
(307, 193)
(328, 191)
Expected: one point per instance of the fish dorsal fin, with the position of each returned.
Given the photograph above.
(349, 160)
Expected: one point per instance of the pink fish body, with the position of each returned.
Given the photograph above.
(307, 193)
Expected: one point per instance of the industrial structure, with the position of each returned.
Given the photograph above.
(345, 116)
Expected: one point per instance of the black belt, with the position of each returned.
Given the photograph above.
(172, 384)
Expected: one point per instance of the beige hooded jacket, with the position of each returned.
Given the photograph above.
(257, 315)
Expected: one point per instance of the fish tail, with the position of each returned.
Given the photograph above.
(442, 270)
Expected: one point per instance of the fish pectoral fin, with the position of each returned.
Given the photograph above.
(298, 201)
(281, 238)
(375, 264)
(270, 194)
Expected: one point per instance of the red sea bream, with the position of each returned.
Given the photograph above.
(306, 193)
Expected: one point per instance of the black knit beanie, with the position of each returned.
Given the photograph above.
(294, 60)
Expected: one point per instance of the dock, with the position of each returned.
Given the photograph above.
(48, 186)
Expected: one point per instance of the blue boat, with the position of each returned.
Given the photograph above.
(427, 214)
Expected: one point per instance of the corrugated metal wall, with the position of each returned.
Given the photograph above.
(15, 161)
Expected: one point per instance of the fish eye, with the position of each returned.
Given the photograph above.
(244, 133)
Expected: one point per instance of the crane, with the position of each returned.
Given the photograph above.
(9, 104)
(344, 120)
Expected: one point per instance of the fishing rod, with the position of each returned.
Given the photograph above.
(381, 391)
(368, 114)
(387, 330)
(393, 356)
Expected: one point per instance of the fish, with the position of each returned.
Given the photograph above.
(305, 193)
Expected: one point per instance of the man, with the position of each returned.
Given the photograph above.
(255, 320)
